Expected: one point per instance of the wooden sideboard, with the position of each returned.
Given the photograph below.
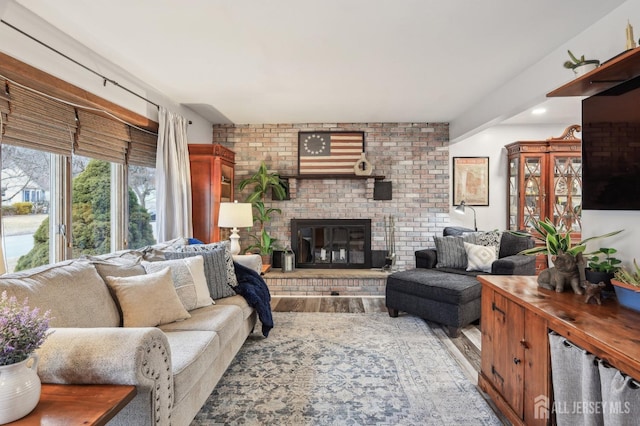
(516, 318)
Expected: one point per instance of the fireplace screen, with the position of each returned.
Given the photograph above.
(331, 243)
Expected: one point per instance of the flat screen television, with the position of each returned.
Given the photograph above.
(611, 149)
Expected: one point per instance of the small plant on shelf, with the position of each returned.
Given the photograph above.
(607, 264)
(631, 277)
(576, 62)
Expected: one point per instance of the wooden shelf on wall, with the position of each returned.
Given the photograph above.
(336, 176)
(615, 71)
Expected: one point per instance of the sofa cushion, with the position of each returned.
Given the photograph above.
(224, 320)
(215, 270)
(72, 290)
(455, 231)
(479, 257)
(437, 285)
(192, 355)
(451, 252)
(188, 279)
(148, 300)
(240, 302)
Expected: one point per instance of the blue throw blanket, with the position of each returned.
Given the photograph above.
(252, 287)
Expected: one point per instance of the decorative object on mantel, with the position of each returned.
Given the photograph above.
(22, 331)
(390, 243)
(263, 181)
(581, 66)
(288, 260)
(329, 153)
(363, 166)
(631, 43)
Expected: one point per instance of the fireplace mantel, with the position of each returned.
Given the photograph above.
(292, 182)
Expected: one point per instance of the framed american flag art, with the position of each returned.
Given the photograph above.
(329, 153)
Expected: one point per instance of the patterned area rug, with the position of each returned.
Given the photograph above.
(345, 369)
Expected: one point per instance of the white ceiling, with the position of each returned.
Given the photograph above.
(297, 61)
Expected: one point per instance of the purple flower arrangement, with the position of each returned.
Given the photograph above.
(22, 330)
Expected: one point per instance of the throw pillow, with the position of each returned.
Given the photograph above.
(215, 270)
(148, 300)
(188, 279)
(451, 253)
(480, 257)
(232, 280)
(489, 238)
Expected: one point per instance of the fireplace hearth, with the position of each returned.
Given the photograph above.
(331, 243)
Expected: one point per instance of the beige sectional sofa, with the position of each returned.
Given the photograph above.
(174, 365)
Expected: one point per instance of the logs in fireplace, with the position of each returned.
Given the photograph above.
(331, 243)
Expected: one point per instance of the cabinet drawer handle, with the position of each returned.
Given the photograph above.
(495, 373)
(495, 308)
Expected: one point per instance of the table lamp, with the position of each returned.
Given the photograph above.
(235, 215)
(460, 209)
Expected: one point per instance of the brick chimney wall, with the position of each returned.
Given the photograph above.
(413, 156)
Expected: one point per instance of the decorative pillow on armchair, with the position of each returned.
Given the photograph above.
(451, 253)
(488, 238)
(480, 257)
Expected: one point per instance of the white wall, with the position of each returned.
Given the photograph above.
(26, 50)
(490, 143)
(603, 40)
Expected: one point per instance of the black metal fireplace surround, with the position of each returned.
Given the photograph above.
(331, 243)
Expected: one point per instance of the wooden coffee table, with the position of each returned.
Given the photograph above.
(78, 404)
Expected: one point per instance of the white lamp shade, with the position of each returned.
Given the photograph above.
(235, 215)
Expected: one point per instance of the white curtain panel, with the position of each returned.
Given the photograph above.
(173, 178)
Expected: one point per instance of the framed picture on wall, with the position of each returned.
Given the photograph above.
(329, 153)
(471, 181)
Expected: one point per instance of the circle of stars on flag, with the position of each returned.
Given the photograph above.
(314, 144)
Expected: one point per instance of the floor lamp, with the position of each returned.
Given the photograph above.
(460, 209)
(235, 215)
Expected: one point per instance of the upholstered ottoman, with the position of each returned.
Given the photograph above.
(443, 297)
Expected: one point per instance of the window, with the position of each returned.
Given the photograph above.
(25, 223)
(74, 181)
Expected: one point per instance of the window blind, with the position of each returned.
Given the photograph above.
(142, 151)
(32, 120)
(101, 137)
(37, 122)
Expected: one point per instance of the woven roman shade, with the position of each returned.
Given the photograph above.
(101, 137)
(37, 122)
(142, 151)
(32, 120)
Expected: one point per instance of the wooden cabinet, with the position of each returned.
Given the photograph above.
(545, 181)
(212, 182)
(515, 357)
(516, 318)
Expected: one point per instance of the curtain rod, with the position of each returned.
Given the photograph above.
(105, 79)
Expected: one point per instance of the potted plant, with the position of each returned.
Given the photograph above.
(263, 181)
(553, 239)
(601, 266)
(22, 331)
(626, 284)
(580, 65)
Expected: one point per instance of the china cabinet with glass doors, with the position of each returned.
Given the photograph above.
(545, 181)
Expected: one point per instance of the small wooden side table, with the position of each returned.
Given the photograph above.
(78, 404)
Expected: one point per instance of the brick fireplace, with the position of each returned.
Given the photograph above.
(414, 157)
